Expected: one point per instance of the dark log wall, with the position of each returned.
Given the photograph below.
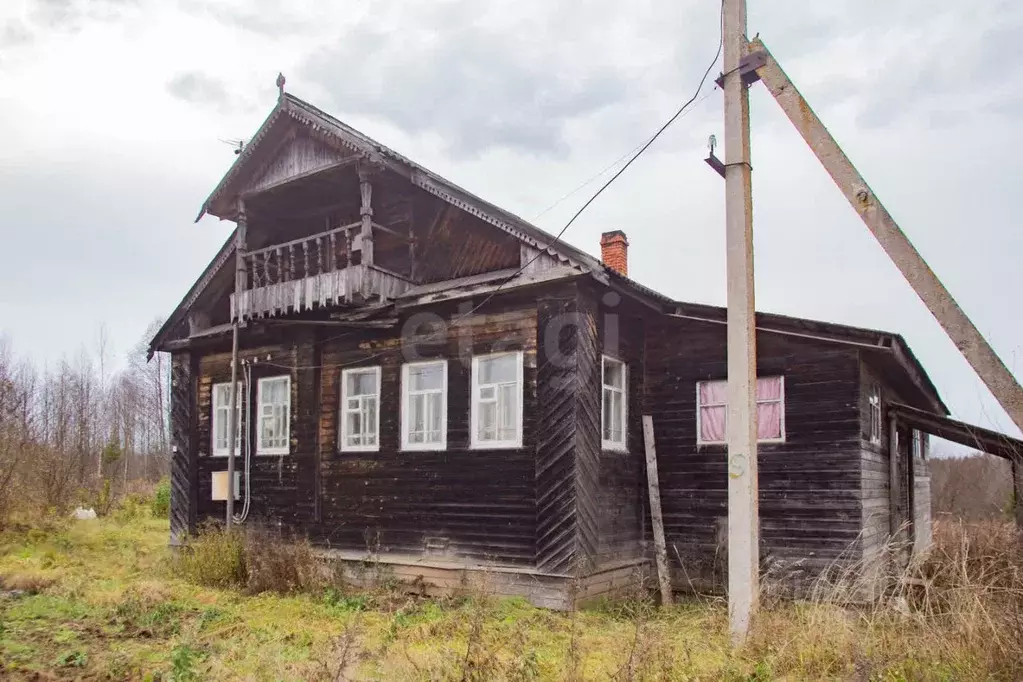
(460, 502)
(914, 499)
(557, 504)
(809, 485)
(183, 440)
(276, 495)
(874, 471)
(622, 485)
(546, 504)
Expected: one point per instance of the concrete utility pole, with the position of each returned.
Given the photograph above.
(743, 515)
(232, 418)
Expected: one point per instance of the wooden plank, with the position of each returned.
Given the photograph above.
(894, 517)
(1017, 486)
(653, 486)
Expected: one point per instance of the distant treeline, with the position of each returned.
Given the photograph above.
(77, 433)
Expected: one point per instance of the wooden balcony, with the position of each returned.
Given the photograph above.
(320, 271)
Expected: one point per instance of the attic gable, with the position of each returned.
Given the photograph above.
(285, 148)
(292, 117)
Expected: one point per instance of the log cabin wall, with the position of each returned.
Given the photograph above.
(456, 502)
(277, 498)
(542, 505)
(184, 489)
(622, 484)
(915, 495)
(810, 508)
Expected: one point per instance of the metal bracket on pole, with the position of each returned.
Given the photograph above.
(715, 163)
(748, 66)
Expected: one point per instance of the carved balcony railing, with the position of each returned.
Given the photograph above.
(312, 272)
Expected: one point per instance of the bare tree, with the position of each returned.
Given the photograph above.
(971, 488)
(79, 430)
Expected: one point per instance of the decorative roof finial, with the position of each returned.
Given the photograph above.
(280, 85)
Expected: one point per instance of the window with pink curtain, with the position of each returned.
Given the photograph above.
(712, 408)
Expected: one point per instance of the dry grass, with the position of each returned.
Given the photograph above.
(109, 605)
(956, 613)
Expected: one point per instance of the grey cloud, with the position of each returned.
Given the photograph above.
(72, 15)
(449, 71)
(262, 17)
(940, 83)
(195, 87)
(15, 34)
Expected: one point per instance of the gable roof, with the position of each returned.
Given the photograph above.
(291, 111)
(221, 201)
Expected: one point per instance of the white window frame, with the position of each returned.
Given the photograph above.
(406, 395)
(343, 410)
(918, 450)
(622, 445)
(260, 448)
(699, 410)
(874, 406)
(474, 441)
(215, 419)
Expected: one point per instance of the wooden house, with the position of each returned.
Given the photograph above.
(433, 383)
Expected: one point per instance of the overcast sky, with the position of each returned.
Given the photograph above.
(112, 111)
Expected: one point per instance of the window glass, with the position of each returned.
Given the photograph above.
(497, 400)
(360, 404)
(425, 405)
(274, 415)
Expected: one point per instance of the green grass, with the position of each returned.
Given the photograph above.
(103, 601)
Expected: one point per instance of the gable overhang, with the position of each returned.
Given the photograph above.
(223, 256)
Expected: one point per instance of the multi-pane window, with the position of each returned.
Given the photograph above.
(874, 427)
(424, 405)
(222, 418)
(918, 446)
(360, 409)
(614, 404)
(497, 401)
(274, 401)
(712, 410)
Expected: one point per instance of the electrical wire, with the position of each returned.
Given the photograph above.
(557, 238)
(612, 165)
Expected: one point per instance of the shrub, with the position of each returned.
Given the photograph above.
(257, 560)
(214, 558)
(160, 503)
(278, 565)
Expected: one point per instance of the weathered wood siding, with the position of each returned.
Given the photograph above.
(914, 497)
(809, 485)
(183, 441)
(277, 498)
(459, 502)
(301, 156)
(622, 486)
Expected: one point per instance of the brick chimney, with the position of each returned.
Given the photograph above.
(614, 251)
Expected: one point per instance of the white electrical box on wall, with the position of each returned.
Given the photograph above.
(220, 486)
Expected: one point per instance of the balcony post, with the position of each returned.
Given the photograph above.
(367, 213)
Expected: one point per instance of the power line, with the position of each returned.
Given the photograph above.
(612, 165)
(646, 145)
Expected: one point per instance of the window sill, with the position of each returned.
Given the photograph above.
(432, 447)
(723, 443)
(359, 448)
(273, 452)
(496, 445)
(619, 448)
